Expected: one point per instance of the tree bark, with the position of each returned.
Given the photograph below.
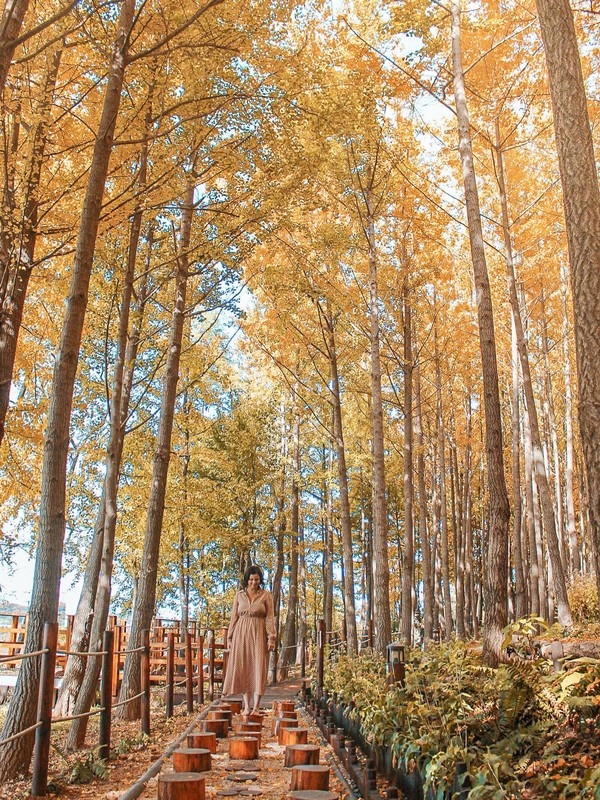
(496, 572)
(146, 590)
(46, 581)
(428, 599)
(408, 553)
(19, 273)
(581, 198)
(289, 634)
(381, 573)
(574, 549)
(342, 470)
(539, 467)
(10, 27)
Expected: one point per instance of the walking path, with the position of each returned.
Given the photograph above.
(266, 776)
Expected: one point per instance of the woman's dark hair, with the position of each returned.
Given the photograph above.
(253, 570)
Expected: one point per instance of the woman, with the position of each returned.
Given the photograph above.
(250, 637)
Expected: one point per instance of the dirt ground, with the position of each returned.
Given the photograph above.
(132, 757)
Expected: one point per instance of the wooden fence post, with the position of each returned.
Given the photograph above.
(189, 673)
(303, 658)
(170, 674)
(145, 683)
(321, 633)
(41, 752)
(370, 634)
(211, 665)
(106, 695)
(118, 646)
(200, 670)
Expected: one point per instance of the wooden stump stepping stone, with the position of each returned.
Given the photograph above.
(314, 794)
(180, 786)
(248, 726)
(310, 776)
(191, 759)
(243, 747)
(203, 739)
(287, 705)
(219, 713)
(297, 754)
(253, 718)
(220, 727)
(284, 722)
(293, 736)
(250, 766)
(235, 705)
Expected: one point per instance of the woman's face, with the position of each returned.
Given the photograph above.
(253, 582)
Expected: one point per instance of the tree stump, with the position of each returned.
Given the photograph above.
(287, 705)
(310, 776)
(315, 794)
(254, 734)
(235, 705)
(203, 739)
(180, 786)
(248, 726)
(288, 714)
(219, 713)
(220, 727)
(253, 718)
(191, 759)
(299, 754)
(284, 722)
(293, 736)
(243, 748)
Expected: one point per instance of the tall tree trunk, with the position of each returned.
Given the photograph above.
(146, 593)
(423, 528)
(459, 546)
(574, 550)
(541, 476)
(289, 634)
(46, 582)
(19, 273)
(443, 498)
(345, 521)
(520, 592)
(10, 28)
(280, 525)
(328, 546)
(408, 554)
(470, 623)
(581, 198)
(85, 635)
(381, 574)
(496, 571)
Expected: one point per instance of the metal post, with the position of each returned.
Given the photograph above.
(108, 643)
(41, 752)
(189, 673)
(170, 674)
(145, 683)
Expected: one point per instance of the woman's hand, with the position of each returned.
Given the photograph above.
(270, 645)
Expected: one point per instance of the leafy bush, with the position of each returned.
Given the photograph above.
(521, 730)
(583, 599)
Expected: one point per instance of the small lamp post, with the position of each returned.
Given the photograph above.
(395, 663)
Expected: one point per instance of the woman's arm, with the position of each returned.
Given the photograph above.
(233, 620)
(270, 622)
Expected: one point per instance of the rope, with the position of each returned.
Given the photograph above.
(134, 650)
(21, 656)
(78, 716)
(21, 733)
(82, 654)
(129, 700)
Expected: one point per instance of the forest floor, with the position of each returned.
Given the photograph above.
(133, 756)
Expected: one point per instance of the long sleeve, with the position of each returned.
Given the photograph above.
(233, 620)
(270, 619)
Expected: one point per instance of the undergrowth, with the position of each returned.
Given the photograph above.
(522, 730)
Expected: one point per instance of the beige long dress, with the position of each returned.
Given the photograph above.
(251, 629)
